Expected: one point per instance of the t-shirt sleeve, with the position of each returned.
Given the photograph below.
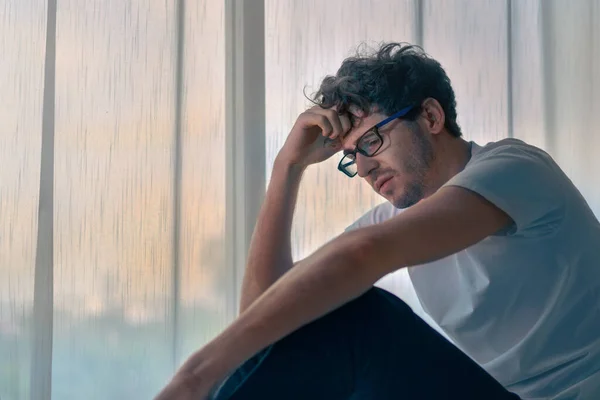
(524, 183)
(376, 215)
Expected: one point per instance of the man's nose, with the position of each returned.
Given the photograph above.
(365, 165)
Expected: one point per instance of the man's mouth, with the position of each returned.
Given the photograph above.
(381, 182)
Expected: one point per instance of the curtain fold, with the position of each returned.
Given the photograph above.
(43, 295)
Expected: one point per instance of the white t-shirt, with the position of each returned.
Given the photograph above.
(525, 303)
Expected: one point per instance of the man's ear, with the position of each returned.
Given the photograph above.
(434, 115)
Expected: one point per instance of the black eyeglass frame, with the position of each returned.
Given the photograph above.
(342, 165)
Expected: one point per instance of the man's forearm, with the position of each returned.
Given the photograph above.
(270, 254)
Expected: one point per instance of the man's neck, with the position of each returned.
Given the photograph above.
(451, 157)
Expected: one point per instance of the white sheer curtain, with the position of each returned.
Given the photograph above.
(130, 298)
(123, 316)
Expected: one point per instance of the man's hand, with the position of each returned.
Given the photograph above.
(315, 137)
(195, 380)
(184, 387)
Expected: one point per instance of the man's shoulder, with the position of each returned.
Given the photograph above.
(512, 153)
(509, 146)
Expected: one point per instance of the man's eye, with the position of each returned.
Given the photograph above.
(369, 141)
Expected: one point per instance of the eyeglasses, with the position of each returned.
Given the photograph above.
(368, 144)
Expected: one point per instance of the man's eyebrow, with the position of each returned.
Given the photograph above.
(355, 121)
(352, 145)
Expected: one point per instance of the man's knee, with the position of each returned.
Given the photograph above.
(376, 304)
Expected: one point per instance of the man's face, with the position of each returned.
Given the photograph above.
(399, 170)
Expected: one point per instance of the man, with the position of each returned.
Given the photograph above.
(503, 252)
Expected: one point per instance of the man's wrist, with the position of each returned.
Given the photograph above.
(203, 369)
(219, 357)
(284, 163)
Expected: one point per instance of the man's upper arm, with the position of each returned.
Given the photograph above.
(522, 181)
(449, 221)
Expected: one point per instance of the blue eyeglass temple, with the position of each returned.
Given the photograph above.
(399, 114)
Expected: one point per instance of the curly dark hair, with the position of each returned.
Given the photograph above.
(391, 77)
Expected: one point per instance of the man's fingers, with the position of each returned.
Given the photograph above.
(323, 122)
(336, 125)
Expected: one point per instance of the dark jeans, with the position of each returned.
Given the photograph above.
(374, 347)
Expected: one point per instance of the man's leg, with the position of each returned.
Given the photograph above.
(374, 347)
